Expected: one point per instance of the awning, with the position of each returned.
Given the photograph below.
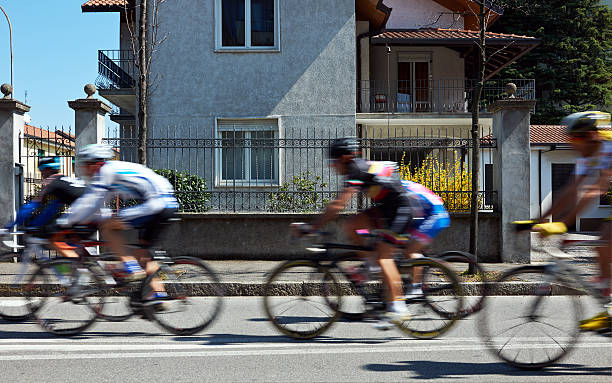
(502, 49)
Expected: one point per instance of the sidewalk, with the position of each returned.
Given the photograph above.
(247, 278)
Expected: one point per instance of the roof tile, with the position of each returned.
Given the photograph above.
(441, 33)
(102, 5)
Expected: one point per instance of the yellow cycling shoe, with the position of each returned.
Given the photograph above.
(601, 321)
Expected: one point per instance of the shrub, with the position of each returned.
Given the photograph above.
(451, 181)
(191, 190)
(299, 195)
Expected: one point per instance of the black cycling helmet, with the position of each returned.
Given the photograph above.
(585, 121)
(343, 146)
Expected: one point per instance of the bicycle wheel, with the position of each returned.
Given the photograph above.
(436, 311)
(538, 330)
(355, 303)
(119, 296)
(14, 305)
(301, 299)
(475, 292)
(195, 296)
(74, 296)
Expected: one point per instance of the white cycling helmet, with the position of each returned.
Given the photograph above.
(95, 153)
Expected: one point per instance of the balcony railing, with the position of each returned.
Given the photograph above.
(115, 69)
(433, 96)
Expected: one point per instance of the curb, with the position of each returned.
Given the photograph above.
(242, 289)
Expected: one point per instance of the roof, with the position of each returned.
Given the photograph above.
(502, 48)
(550, 135)
(48, 137)
(441, 35)
(104, 5)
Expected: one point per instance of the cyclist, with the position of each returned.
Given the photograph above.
(130, 181)
(401, 207)
(593, 175)
(57, 192)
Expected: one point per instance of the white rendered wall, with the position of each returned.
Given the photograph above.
(414, 14)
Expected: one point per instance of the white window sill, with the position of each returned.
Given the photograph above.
(247, 50)
(247, 185)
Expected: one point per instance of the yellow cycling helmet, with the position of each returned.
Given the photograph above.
(585, 121)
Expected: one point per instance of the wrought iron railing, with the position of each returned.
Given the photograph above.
(260, 172)
(115, 69)
(434, 96)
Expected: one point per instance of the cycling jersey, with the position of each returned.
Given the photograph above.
(590, 166)
(57, 191)
(435, 217)
(395, 205)
(128, 181)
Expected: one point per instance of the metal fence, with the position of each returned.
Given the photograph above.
(253, 169)
(428, 96)
(35, 143)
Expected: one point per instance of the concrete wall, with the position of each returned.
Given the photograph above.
(594, 210)
(408, 14)
(264, 236)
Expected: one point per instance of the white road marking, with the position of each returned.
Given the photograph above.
(75, 351)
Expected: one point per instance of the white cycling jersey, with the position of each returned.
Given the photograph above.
(591, 166)
(128, 181)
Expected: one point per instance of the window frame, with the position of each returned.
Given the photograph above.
(268, 125)
(247, 26)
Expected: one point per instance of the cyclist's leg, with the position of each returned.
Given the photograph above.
(148, 236)
(112, 233)
(391, 275)
(368, 219)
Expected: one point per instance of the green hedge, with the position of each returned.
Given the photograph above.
(190, 190)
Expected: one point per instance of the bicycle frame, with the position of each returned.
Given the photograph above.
(560, 268)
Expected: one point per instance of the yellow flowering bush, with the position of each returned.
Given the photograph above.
(451, 181)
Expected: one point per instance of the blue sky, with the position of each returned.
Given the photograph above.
(55, 49)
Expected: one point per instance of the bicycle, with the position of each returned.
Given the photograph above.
(97, 291)
(553, 309)
(475, 293)
(14, 306)
(307, 308)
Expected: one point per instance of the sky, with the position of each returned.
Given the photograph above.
(55, 53)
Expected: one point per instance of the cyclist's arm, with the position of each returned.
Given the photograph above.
(84, 207)
(335, 207)
(590, 193)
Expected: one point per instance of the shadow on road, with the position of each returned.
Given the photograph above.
(227, 339)
(436, 370)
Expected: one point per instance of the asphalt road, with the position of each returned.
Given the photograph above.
(243, 346)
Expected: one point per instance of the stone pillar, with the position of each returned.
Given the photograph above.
(511, 174)
(11, 124)
(89, 118)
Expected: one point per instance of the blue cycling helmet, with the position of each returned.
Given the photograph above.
(49, 163)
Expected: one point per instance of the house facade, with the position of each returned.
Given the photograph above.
(260, 87)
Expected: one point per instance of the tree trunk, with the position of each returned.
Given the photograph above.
(475, 133)
(142, 84)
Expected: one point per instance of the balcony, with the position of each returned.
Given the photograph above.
(115, 82)
(433, 96)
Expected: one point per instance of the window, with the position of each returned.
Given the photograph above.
(247, 25)
(249, 153)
